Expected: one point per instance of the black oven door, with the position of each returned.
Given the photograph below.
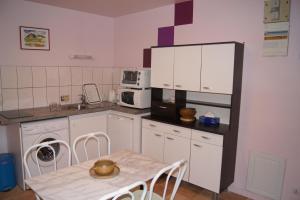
(127, 97)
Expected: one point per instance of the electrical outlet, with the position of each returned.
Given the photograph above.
(65, 98)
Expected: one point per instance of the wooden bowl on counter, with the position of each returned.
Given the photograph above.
(104, 167)
(187, 113)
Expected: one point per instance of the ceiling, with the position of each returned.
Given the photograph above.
(110, 8)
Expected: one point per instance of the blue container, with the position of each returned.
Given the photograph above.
(7, 172)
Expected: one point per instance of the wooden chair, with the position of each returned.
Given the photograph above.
(125, 191)
(91, 136)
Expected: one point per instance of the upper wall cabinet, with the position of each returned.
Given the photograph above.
(187, 66)
(203, 68)
(217, 68)
(176, 68)
(162, 67)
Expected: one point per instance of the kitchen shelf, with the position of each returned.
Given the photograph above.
(220, 105)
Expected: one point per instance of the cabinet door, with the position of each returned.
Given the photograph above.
(84, 124)
(120, 132)
(205, 165)
(217, 68)
(153, 144)
(162, 63)
(177, 148)
(187, 66)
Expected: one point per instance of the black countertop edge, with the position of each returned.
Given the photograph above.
(222, 129)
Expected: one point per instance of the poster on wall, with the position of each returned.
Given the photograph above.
(276, 39)
(32, 38)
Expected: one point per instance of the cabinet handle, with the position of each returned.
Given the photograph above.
(170, 138)
(204, 137)
(158, 135)
(165, 84)
(176, 131)
(197, 145)
(179, 86)
(163, 107)
(152, 125)
(206, 88)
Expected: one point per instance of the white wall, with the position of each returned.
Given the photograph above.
(270, 108)
(135, 32)
(71, 32)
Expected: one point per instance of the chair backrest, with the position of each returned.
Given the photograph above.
(90, 136)
(126, 191)
(49, 145)
(178, 167)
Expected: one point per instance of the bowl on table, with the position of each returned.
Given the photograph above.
(104, 167)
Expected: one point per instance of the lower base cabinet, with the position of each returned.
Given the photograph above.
(120, 132)
(177, 148)
(205, 165)
(153, 144)
(202, 150)
(166, 143)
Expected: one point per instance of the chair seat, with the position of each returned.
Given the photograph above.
(138, 196)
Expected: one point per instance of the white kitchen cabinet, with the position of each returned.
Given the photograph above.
(206, 160)
(84, 124)
(177, 148)
(217, 68)
(153, 144)
(162, 64)
(120, 132)
(187, 67)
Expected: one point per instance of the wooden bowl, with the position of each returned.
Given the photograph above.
(104, 167)
(187, 113)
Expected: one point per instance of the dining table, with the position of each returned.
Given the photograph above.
(76, 183)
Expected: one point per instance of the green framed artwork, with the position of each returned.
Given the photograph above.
(32, 38)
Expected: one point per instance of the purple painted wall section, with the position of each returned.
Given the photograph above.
(165, 36)
(184, 13)
(147, 58)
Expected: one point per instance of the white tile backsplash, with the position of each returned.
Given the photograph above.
(39, 97)
(76, 73)
(116, 75)
(9, 77)
(64, 76)
(107, 76)
(87, 75)
(52, 76)
(37, 86)
(97, 75)
(65, 91)
(39, 76)
(53, 95)
(10, 99)
(76, 94)
(25, 98)
(24, 77)
(105, 91)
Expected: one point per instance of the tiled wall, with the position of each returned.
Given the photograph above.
(31, 87)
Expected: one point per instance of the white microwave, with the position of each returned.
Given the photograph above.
(135, 78)
(135, 98)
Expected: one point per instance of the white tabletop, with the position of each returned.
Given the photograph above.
(75, 182)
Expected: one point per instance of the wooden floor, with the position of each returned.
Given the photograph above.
(186, 192)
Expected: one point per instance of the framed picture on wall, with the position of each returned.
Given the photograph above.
(33, 38)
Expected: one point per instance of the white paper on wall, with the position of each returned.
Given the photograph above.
(276, 39)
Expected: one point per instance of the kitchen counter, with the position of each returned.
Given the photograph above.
(222, 129)
(27, 115)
